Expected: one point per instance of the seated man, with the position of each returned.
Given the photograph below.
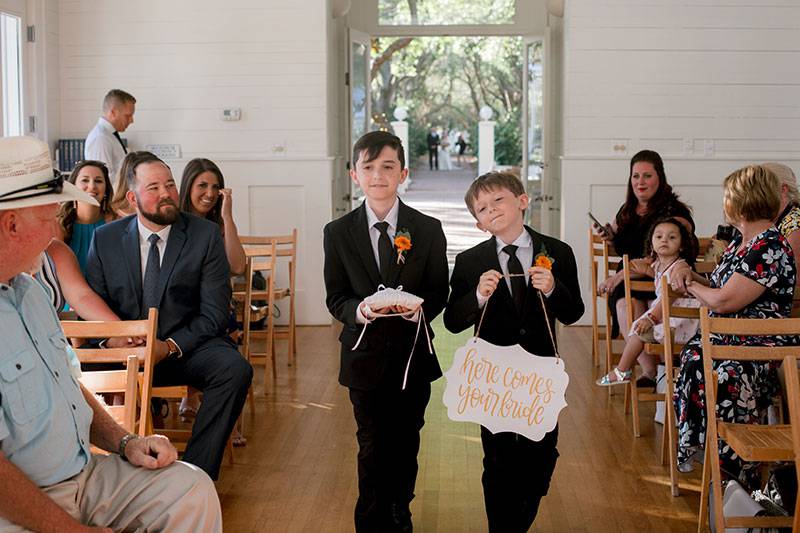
(162, 258)
(49, 480)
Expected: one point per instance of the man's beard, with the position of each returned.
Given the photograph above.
(162, 218)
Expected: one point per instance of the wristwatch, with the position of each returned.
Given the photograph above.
(123, 443)
(174, 349)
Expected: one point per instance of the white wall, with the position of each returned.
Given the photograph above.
(710, 87)
(186, 60)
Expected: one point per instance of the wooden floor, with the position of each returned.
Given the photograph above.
(298, 470)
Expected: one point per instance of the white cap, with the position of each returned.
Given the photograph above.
(27, 178)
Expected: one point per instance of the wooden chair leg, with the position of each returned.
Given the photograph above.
(634, 400)
(672, 434)
(665, 439)
(292, 334)
(702, 521)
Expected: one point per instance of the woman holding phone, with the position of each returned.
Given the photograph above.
(649, 198)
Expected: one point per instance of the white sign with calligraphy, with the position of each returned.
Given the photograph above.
(505, 388)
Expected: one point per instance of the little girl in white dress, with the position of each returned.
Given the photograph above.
(684, 328)
(672, 245)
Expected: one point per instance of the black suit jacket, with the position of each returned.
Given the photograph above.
(194, 284)
(351, 274)
(433, 140)
(502, 324)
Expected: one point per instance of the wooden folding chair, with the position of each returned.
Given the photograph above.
(145, 329)
(751, 442)
(791, 372)
(633, 396)
(260, 258)
(285, 247)
(602, 262)
(669, 350)
(118, 381)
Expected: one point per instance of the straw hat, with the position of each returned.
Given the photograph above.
(27, 178)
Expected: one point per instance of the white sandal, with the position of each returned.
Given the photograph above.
(622, 378)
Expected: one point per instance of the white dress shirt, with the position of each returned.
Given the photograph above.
(374, 233)
(102, 145)
(144, 244)
(524, 253)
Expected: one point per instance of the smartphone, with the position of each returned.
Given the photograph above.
(600, 224)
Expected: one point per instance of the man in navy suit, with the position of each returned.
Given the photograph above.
(175, 262)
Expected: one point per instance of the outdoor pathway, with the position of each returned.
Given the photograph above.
(441, 194)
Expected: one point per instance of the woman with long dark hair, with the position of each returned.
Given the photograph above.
(203, 193)
(78, 220)
(649, 198)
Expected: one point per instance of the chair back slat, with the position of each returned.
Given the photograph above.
(754, 326)
(89, 329)
(110, 355)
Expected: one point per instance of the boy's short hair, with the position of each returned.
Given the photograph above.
(491, 181)
(752, 193)
(374, 142)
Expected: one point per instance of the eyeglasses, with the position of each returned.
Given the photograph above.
(53, 186)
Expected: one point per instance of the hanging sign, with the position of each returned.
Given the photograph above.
(505, 388)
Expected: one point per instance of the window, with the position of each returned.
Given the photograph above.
(445, 12)
(11, 62)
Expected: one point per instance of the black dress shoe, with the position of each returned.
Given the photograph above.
(401, 517)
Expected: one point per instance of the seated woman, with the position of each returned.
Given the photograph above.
(788, 221)
(119, 202)
(78, 220)
(754, 279)
(649, 199)
(203, 193)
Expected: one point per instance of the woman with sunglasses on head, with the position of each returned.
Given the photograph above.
(78, 220)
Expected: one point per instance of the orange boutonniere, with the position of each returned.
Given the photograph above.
(402, 243)
(543, 260)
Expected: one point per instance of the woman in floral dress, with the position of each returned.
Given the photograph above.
(754, 279)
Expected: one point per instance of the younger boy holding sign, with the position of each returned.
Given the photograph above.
(516, 470)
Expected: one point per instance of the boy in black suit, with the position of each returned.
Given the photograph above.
(516, 470)
(364, 249)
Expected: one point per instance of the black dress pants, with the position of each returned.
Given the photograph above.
(219, 370)
(433, 157)
(516, 475)
(388, 424)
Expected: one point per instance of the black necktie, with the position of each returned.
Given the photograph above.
(151, 271)
(116, 134)
(518, 286)
(384, 249)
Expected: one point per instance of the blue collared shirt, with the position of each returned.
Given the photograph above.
(44, 418)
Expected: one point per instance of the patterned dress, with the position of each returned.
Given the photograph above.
(789, 220)
(745, 389)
